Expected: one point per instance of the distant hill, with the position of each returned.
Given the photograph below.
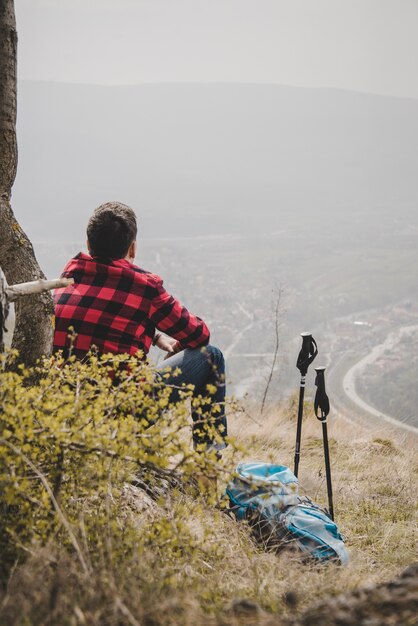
(211, 158)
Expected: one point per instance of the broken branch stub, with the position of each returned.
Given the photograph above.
(13, 292)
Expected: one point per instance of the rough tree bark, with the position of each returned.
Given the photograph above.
(33, 329)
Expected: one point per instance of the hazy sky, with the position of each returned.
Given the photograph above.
(366, 45)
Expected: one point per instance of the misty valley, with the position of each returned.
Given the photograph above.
(350, 287)
(242, 191)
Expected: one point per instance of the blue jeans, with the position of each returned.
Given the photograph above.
(201, 367)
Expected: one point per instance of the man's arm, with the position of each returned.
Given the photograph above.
(172, 318)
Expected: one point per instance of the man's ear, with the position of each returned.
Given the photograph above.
(132, 250)
(88, 246)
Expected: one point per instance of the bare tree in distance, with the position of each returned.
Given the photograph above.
(33, 329)
(278, 305)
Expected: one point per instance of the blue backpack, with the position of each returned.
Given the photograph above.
(266, 495)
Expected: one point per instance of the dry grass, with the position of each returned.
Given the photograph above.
(375, 480)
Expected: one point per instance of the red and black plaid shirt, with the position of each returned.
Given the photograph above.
(116, 307)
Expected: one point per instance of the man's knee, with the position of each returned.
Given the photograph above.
(207, 362)
(216, 356)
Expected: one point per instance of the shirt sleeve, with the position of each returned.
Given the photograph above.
(174, 319)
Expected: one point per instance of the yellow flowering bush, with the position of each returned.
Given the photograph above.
(79, 432)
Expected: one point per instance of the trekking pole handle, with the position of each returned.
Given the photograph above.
(306, 344)
(321, 403)
(305, 335)
(307, 353)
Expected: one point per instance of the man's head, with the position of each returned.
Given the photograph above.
(111, 231)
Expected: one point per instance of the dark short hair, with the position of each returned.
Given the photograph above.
(111, 230)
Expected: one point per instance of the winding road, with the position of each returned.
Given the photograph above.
(342, 378)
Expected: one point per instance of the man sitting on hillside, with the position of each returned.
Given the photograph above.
(115, 306)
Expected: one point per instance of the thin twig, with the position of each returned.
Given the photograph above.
(126, 612)
(9, 580)
(276, 348)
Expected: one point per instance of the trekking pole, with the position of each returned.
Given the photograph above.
(307, 354)
(321, 405)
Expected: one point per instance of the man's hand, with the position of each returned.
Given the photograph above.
(168, 344)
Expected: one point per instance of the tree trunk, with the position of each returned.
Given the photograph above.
(33, 329)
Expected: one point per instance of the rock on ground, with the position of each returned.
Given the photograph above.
(385, 604)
